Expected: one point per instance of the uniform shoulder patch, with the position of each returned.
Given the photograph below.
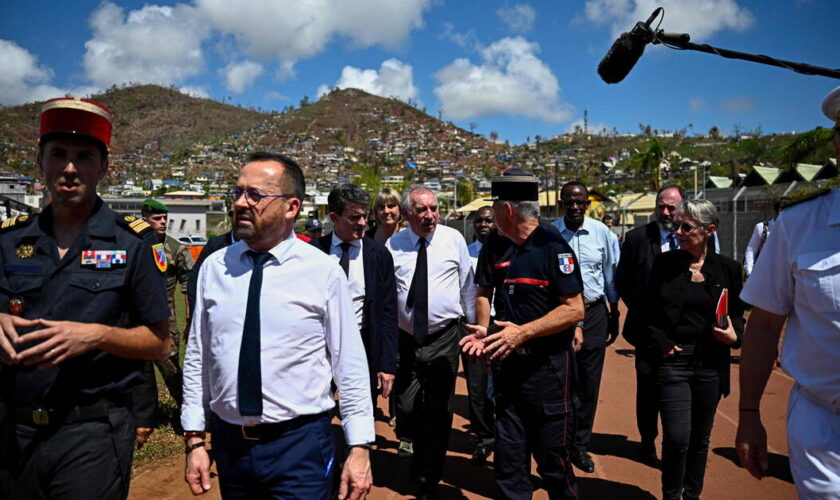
(18, 221)
(135, 225)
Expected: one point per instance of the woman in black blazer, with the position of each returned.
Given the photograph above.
(687, 351)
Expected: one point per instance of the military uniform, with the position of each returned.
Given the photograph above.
(179, 262)
(534, 388)
(68, 431)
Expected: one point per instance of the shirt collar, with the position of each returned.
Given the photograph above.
(336, 241)
(584, 227)
(281, 251)
(100, 223)
(414, 237)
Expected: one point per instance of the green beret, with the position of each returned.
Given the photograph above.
(154, 206)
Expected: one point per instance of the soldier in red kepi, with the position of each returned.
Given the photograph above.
(82, 303)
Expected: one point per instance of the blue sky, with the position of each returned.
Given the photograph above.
(521, 69)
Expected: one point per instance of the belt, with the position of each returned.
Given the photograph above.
(590, 305)
(40, 417)
(269, 431)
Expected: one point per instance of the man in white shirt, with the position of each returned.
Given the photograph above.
(798, 279)
(430, 307)
(261, 382)
(759, 236)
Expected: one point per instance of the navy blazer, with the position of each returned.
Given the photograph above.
(663, 309)
(379, 314)
(640, 247)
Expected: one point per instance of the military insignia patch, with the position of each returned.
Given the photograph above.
(103, 259)
(160, 256)
(24, 251)
(566, 262)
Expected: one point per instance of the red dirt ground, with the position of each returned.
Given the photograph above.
(618, 474)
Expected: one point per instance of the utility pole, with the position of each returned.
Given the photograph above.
(585, 121)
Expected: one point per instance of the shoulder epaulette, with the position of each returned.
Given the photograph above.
(17, 221)
(137, 226)
(807, 196)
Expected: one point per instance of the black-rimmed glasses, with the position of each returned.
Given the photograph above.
(253, 195)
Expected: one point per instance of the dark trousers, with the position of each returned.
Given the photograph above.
(647, 401)
(480, 405)
(90, 459)
(425, 386)
(590, 365)
(534, 416)
(688, 397)
(296, 464)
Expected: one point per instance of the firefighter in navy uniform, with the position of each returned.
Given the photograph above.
(82, 303)
(538, 286)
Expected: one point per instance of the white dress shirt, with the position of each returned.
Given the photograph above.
(755, 245)
(308, 337)
(594, 248)
(799, 275)
(451, 279)
(356, 275)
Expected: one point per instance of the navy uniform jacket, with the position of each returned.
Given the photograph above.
(379, 315)
(108, 276)
(529, 281)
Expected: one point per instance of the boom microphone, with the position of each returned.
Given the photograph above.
(626, 51)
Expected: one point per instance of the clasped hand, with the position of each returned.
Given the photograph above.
(499, 345)
(60, 340)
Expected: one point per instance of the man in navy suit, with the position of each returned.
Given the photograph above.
(640, 247)
(370, 272)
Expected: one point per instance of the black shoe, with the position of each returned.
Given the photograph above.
(480, 454)
(583, 461)
(647, 453)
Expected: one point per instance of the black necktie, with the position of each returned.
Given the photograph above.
(418, 294)
(344, 262)
(250, 377)
(672, 240)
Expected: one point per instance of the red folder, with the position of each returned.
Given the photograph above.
(722, 310)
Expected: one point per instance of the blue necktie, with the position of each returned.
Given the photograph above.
(672, 240)
(418, 295)
(250, 376)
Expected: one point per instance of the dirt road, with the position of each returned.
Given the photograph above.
(618, 474)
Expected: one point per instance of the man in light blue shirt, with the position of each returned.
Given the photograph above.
(594, 249)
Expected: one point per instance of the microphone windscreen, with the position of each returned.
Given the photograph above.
(621, 58)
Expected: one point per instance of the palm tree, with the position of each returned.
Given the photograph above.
(648, 162)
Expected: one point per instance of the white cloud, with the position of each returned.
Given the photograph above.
(288, 31)
(697, 104)
(394, 79)
(154, 44)
(518, 18)
(593, 128)
(466, 40)
(699, 18)
(193, 91)
(241, 75)
(511, 80)
(739, 104)
(23, 79)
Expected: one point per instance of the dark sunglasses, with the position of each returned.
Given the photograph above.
(571, 203)
(685, 227)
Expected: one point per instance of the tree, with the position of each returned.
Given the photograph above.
(647, 163)
(714, 132)
(473, 126)
(494, 136)
(304, 101)
(805, 144)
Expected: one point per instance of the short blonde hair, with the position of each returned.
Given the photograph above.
(384, 196)
(702, 211)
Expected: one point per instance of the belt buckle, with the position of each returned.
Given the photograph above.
(40, 417)
(245, 433)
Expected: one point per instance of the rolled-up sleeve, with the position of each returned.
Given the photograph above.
(349, 363)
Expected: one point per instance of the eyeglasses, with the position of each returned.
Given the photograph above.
(253, 195)
(662, 207)
(487, 220)
(685, 227)
(571, 203)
